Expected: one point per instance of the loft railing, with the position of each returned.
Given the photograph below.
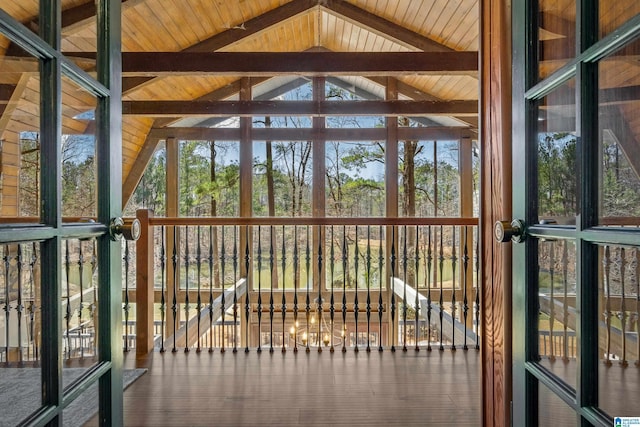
(309, 283)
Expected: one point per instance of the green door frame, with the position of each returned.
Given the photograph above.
(46, 47)
(527, 90)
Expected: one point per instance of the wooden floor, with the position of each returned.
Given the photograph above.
(351, 389)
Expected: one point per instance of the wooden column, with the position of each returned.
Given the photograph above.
(144, 285)
(246, 207)
(495, 133)
(172, 210)
(318, 200)
(391, 197)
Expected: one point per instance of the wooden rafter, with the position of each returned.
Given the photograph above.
(296, 108)
(383, 27)
(308, 63)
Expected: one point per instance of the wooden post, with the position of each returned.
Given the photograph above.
(144, 285)
(391, 196)
(495, 134)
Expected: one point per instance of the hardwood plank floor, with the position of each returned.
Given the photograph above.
(340, 389)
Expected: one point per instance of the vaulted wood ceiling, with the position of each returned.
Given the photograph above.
(297, 37)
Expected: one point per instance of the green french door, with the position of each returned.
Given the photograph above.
(62, 264)
(576, 253)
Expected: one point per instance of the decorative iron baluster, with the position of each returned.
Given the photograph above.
(186, 293)
(428, 278)
(211, 285)
(223, 307)
(174, 306)
(67, 316)
(417, 301)
(622, 313)
(260, 290)
(32, 301)
(271, 307)
(235, 290)
(368, 259)
(380, 301)
(356, 309)
(199, 285)
(163, 283)
(305, 337)
(81, 306)
(345, 254)
(296, 283)
(247, 305)
(7, 296)
(565, 309)
(552, 311)
(93, 306)
(454, 305)
(607, 301)
(405, 261)
(465, 279)
(441, 301)
(477, 302)
(320, 309)
(284, 300)
(126, 306)
(332, 308)
(19, 306)
(393, 293)
(637, 312)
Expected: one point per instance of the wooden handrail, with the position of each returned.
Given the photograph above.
(159, 221)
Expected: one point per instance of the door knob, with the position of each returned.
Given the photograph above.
(129, 228)
(503, 231)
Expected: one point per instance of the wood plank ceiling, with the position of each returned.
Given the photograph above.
(355, 26)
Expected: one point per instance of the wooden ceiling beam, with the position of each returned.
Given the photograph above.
(383, 27)
(233, 35)
(306, 134)
(419, 95)
(307, 63)
(296, 108)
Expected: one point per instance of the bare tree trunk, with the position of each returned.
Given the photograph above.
(409, 204)
(271, 204)
(214, 212)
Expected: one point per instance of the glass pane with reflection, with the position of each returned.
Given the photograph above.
(553, 411)
(79, 33)
(618, 304)
(614, 13)
(557, 343)
(25, 12)
(20, 159)
(556, 34)
(79, 180)
(20, 330)
(79, 306)
(619, 108)
(557, 147)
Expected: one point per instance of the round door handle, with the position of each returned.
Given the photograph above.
(504, 231)
(129, 228)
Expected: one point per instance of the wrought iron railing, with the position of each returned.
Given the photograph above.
(311, 283)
